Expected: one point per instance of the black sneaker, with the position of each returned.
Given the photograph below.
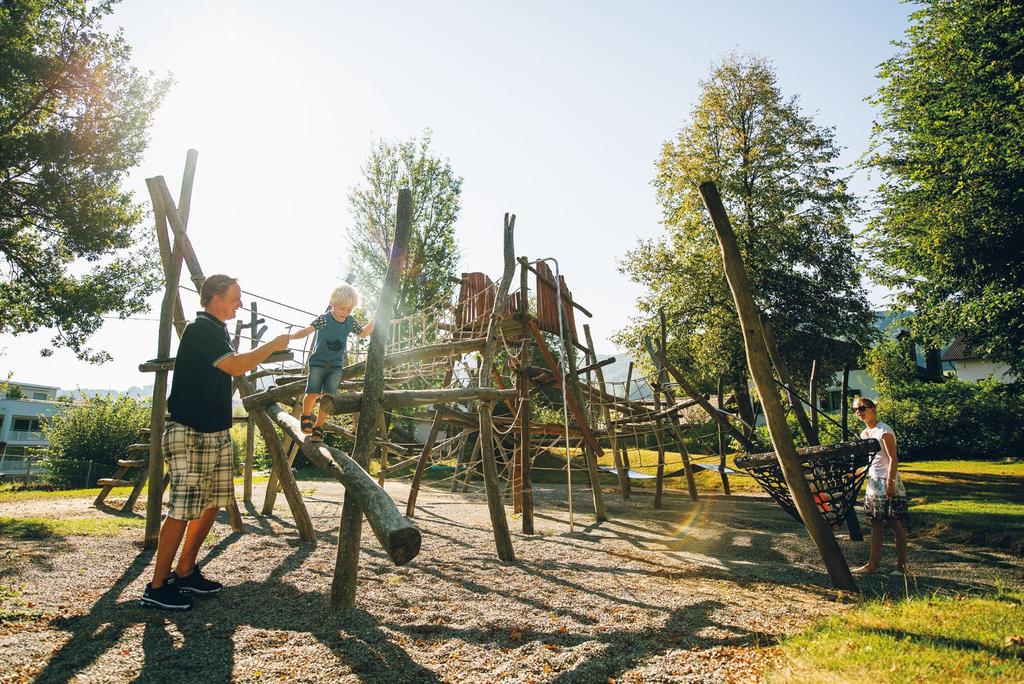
(167, 597)
(195, 583)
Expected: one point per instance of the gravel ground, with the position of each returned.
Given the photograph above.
(695, 592)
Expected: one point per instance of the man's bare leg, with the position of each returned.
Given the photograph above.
(194, 537)
(171, 533)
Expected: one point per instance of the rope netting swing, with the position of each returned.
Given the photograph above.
(834, 474)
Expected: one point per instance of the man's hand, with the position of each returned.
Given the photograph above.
(279, 343)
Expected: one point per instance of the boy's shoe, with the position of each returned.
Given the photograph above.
(195, 583)
(167, 597)
(306, 423)
(317, 435)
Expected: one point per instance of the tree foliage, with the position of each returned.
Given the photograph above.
(776, 169)
(950, 147)
(74, 115)
(98, 430)
(433, 251)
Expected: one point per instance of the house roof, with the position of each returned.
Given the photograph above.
(959, 350)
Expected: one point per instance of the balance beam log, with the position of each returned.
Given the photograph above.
(396, 534)
(352, 403)
(258, 400)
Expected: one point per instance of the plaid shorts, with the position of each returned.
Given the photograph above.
(200, 465)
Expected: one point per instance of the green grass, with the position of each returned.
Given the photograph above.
(18, 492)
(974, 502)
(33, 494)
(43, 528)
(646, 461)
(948, 639)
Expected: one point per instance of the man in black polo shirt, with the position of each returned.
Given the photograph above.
(197, 441)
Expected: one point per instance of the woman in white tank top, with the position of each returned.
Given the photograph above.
(885, 500)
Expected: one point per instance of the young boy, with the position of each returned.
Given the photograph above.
(328, 357)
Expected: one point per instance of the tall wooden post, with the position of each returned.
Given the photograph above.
(721, 442)
(612, 436)
(250, 448)
(844, 402)
(523, 386)
(659, 482)
(499, 523)
(346, 568)
(760, 370)
(172, 274)
(625, 450)
(812, 395)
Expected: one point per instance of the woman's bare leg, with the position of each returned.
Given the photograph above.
(900, 533)
(876, 548)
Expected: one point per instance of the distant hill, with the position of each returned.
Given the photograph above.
(137, 392)
(617, 372)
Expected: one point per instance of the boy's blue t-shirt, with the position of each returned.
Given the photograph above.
(331, 340)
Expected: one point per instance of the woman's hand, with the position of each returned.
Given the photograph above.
(890, 488)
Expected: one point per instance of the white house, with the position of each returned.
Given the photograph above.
(968, 364)
(20, 418)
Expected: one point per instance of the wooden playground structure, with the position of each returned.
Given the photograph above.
(489, 375)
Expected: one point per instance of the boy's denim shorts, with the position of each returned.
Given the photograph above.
(323, 380)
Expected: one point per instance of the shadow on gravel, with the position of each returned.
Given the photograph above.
(199, 645)
(692, 627)
(93, 634)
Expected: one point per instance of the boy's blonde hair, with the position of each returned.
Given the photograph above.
(346, 295)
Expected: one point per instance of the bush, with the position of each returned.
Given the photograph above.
(260, 455)
(956, 419)
(98, 430)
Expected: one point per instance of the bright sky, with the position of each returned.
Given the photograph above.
(554, 111)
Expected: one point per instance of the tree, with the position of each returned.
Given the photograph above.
(73, 120)
(12, 391)
(433, 251)
(950, 147)
(97, 430)
(776, 169)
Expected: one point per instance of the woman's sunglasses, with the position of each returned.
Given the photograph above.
(860, 409)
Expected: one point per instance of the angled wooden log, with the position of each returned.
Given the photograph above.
(717, 416)
(428, 448)
(495, 506)
(435, 351)
(346, 567)
(772, 346)
(396, 534)
(279, 458)
(574, 407)
(590, 451)
(760, 370)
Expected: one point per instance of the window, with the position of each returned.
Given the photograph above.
(26, 425)
(40, 395)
